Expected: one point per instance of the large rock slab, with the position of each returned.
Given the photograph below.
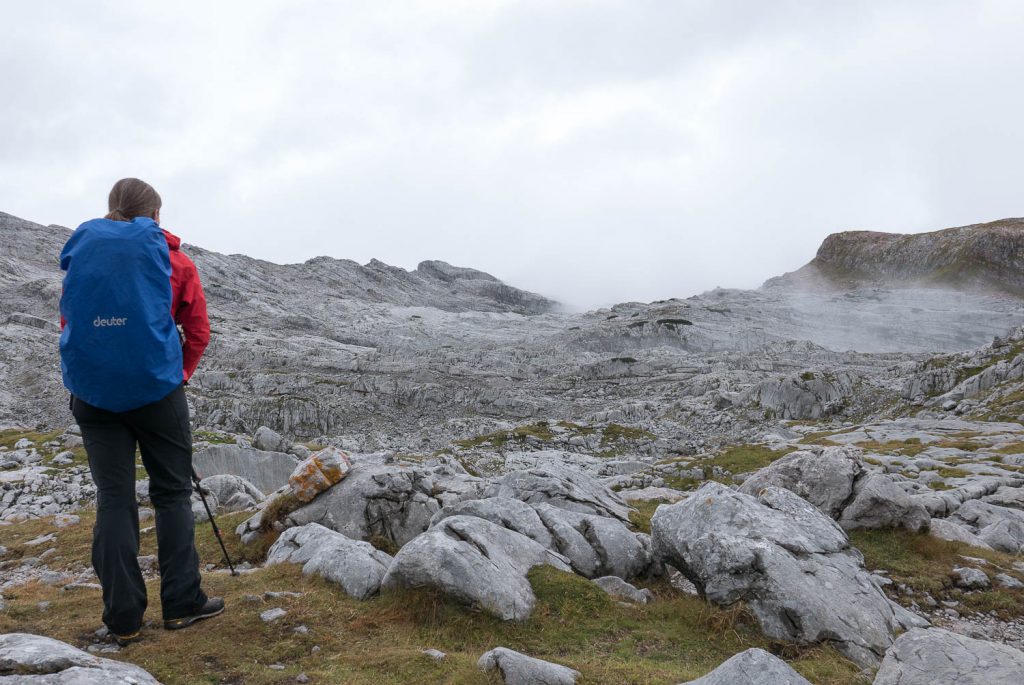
(266, 470)
(475, 562)
(562, 488)
(355, 565)
(232, 493)
(880, 503)
(835, 481)
(1001, 528)
(385, 501)
(823, 477)
(752, 667)
(28, 659)
(519, 669)
(789, 562)
(939, 657)
(595, 545)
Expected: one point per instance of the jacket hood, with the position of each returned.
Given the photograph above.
(173, 241)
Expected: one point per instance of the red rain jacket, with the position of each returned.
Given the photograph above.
(188, 305)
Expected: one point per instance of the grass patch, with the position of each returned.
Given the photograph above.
(953, 472)
(910, 447)
(379, 642)
(925, 563)
(742, 459)
(613, 432)
(642, 513)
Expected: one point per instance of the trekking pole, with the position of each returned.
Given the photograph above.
(216, 530)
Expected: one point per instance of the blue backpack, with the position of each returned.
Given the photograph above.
(120, 349)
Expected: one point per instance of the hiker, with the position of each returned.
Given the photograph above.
(127, 287)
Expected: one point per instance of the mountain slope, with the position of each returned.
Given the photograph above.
(986, 256)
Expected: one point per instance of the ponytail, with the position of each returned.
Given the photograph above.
(130, 198)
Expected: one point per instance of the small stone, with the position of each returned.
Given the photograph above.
(302, 630)
(435, 654)
(279, 595)
(66, 520)
(42, 539)
(302, 678)
(43, 606)
(316, 648)
(970, 578)
(1007, 581)
(277, 667)
(271, 615)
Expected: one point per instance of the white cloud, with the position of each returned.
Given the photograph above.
(595, 151)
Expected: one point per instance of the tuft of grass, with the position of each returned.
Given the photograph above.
(642, 513)
(925, 564)
(613, 432)
(379, 642)
(743, 459)
(908, 448)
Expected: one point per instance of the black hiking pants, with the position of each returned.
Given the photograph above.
(162, 432)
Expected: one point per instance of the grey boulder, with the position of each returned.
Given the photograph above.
(834, 480)
(939, 657)
(752, 667)
(823, 477)
(385, 501)
(563, 488)
(233, 493)
(519, 669)
(476, 562)
(595, 545)
(266, 470)
(791, 564)
(880, 503)
(355, 565)
(38, 659)
(620, 589)
(269, 440)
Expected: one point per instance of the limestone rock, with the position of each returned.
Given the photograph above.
(791, 564)
(519, 669)
(595, 545)
(880, 503)
(617, 587)
(823, 477)
(385, 501)
(37, 659)
(939, 657)
(357, 566)
(233, 493)
(269, 441)
(944, 529)
(475, 562)
(752, 667)
(266, 470)
(319, 472)
(562, 488)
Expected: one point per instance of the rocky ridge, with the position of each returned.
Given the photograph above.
(830, 499)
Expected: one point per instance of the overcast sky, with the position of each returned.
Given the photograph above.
(595, 151)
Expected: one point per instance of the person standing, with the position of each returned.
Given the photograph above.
(127, 288)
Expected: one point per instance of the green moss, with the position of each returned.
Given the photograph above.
(613, 432)
(807, 376)
(743, 458)
(951, 472)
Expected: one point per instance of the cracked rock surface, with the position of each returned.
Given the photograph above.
(939, 657)
(792, 565)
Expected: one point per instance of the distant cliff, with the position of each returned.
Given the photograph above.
(981, 256)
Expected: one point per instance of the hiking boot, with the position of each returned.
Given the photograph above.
(213, 606)
(126, 639)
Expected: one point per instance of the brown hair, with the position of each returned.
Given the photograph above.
(130, 198)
